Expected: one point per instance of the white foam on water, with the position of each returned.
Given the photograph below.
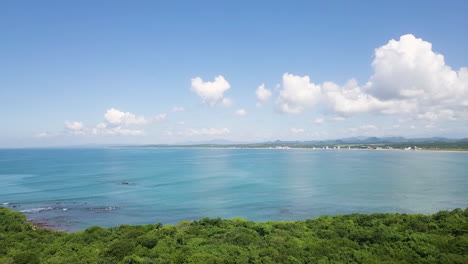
(37, 210)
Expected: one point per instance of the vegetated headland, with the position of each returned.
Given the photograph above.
(355, 238)
(390, 143)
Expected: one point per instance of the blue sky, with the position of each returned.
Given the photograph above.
(79, 72)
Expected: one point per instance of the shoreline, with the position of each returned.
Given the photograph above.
(48, 225)
(289, 148)
(42, 225)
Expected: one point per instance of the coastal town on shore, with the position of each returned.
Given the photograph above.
(401, 144)
(354, 147)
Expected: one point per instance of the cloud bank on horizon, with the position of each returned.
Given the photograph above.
(408, 79)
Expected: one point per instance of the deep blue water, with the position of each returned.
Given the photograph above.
(71, 189)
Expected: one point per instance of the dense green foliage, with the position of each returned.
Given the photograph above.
(356, 238)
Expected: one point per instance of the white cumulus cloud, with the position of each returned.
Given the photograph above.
(117, 117)
(240, 112)
(116, 131)
(119, 123)
(227, 102)
(409, 78)
(159, 117)
(445, 114)
(319, 121)
(409, 68)
(207, 132)
(44, 134)
(74, 128)
(75, 125)
(115, 123)
(262, 93)
(297, 130)
(210, 92)
(298, 93)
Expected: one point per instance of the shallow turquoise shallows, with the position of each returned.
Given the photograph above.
(71, 189)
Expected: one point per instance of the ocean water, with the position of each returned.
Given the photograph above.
(72, 189)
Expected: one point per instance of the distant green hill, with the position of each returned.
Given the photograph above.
(355, 238)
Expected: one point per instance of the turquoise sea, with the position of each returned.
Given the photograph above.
(71, 189)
